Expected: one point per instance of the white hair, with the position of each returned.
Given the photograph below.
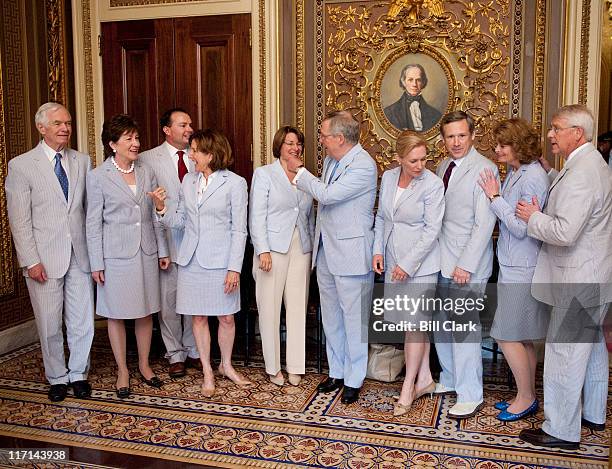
(42, 115)
(578, 115)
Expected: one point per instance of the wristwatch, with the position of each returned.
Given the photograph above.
(493, 196)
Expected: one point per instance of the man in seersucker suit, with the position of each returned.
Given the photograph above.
(45, 192)
(342, 248)
(466, 255)
(170, 163)
(573, 275)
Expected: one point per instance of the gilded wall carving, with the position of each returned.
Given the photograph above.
(89, 90)
(55, 51)
(473, 51)
(584, 51)
(14, 104)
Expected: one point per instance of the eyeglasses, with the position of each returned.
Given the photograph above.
(291, 144)
(556, 130)
(322, 135)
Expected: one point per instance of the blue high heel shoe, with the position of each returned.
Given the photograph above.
(502, 405)
(506, 416)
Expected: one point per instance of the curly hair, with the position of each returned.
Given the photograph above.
(520, 136)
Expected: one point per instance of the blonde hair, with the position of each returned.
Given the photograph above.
(407, 141)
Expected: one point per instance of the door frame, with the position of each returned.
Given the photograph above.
(87, 18)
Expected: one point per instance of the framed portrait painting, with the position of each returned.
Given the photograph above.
(413, 90)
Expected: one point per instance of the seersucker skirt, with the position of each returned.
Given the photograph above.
(519, 316)
(131, 287)
(422, 286)
(200, 291)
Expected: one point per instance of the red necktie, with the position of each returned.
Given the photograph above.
(447, 174)
(182, 167)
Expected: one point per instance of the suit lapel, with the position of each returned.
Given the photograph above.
(344, 163)
(73, 174)
(46, 169)
(279, 173)
(139, 174)
(464, 168)
(409, 192)
(390, 191)
(217, 182)
(513, 178)
(113, 175)
(167, 163)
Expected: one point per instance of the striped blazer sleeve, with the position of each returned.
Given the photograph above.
(19, 206)
(238, 234)
(94, 221)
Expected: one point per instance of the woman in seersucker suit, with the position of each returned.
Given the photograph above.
(212, 209)
(408, 222)
(126, 246)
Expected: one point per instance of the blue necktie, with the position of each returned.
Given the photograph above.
(61, 174)
(331, 176)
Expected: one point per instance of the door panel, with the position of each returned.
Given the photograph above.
(201, 64)
(216, 49)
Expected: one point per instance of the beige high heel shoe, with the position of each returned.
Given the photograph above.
(429, 389)
(277, 379)
(401, 409)
(294, 380)
(235, 377)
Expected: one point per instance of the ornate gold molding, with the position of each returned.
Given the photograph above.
(517, 58)
(584, 51)
(55, 51)
(263, 133)
(6, 249)
(135, 3)
(539, 66)
(300, 98)
(89, 88)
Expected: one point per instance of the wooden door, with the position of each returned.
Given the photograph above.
(201, 64)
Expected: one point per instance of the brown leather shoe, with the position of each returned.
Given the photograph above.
(176, 370)
(193, 363)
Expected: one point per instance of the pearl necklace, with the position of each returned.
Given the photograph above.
(121, 170)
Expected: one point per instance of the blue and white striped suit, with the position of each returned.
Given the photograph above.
(49, 230)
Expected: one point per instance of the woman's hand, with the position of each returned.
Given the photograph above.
(398, 274)
(378, 263)
(98, 277)
(164, 263)
(158, 196)
(232, 282)
(489, 183)
(265, 261)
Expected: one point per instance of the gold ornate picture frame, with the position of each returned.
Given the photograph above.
(478, 45)
(436, 94)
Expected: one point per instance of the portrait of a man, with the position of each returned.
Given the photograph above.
(411, 111)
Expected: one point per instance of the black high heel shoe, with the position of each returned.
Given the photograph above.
(154, 382)
(123, 393)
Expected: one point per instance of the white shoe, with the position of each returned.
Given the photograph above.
(441, 389)
(464, 410)
(294, 380)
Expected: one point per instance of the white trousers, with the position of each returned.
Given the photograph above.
(287, 281)
(175, 328)
(72, 297)
(575, 379)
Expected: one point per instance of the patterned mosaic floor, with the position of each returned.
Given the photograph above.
(267, 426)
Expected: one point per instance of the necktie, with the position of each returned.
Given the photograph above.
(61, 174)
(447, 174)
(333, 171)
(182, 167)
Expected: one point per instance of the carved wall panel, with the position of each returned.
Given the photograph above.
(472, 53)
